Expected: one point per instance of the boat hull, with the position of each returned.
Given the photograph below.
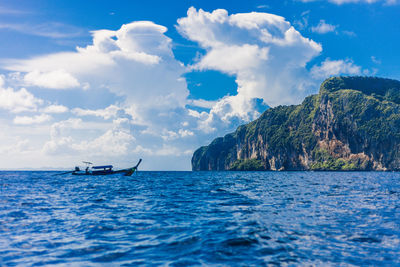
(94, 173)
(106, 170)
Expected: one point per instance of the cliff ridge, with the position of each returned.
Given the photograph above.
(352, 124)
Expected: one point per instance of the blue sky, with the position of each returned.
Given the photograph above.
(112, 81)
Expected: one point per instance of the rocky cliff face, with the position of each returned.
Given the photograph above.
(352, 124)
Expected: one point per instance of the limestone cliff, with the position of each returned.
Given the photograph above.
(352, 124)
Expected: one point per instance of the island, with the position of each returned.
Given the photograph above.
(352, 124)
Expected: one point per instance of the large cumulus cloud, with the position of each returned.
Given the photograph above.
(135, 62)
(263, 51)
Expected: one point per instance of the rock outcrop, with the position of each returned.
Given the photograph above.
(352, 124)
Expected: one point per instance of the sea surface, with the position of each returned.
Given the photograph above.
(200, 218)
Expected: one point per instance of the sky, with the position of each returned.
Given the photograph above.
(114, 81)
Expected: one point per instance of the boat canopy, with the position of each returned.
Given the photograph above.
(102, 167)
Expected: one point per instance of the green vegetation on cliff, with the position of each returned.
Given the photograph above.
(325, 161)
(352, 124)
(247, 165)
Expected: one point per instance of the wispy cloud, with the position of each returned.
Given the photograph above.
(375, 60)
(323, 27)
(50, 29)
(302, 23)
(349, 33)
(11, 11)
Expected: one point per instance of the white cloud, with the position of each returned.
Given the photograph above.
(233, 58)
(335, 67)
(323, 27)
(168, 150)
(135, 61)
(58, 147)
(185, 133)
(202, 103)
(171, 135)
(55, 109)
(60, 136)
(18, 147)
(57, 79)
(27, 120)
(61, 128)
(17, 100)
(263, 51)
(112, 142)
(375, 60)
(137, 64)
(107, 113)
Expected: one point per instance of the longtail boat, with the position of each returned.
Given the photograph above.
(102, 170)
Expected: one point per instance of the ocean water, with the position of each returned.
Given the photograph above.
(200, 218)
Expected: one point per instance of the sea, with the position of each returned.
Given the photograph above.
(200, 218)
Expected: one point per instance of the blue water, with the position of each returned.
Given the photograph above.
(193, 218)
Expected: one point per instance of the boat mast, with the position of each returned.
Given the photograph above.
(87, 165)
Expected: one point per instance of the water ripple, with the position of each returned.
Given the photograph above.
(200, 218)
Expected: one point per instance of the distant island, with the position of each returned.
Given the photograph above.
(352, 124)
